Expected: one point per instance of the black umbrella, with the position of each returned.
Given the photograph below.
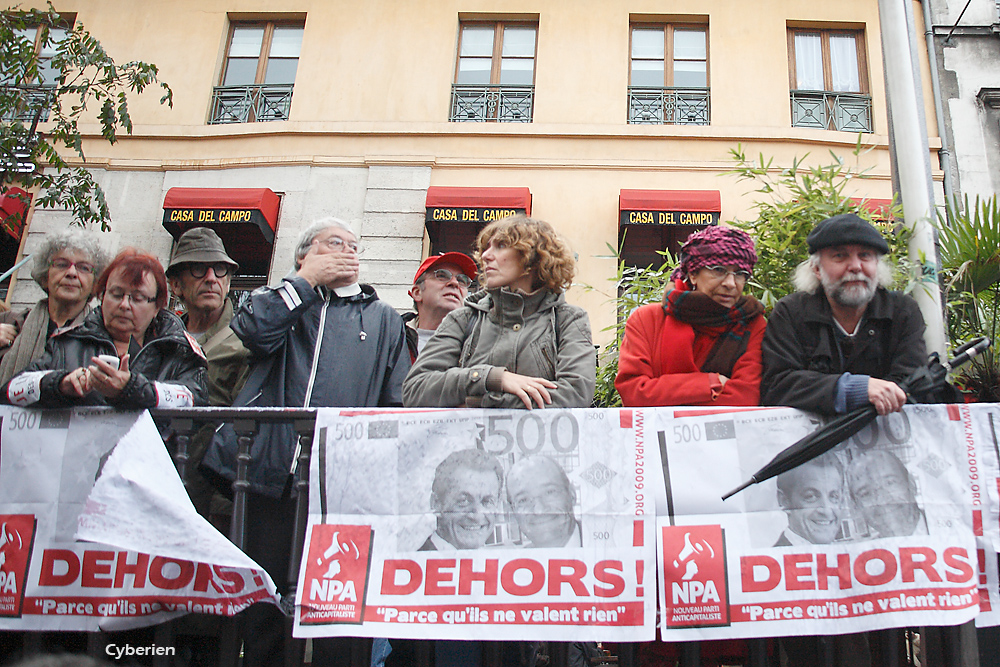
(921, 387)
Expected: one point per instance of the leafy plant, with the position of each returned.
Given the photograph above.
(87, 80)
(790, 202)
(970, 265)
(634, 287)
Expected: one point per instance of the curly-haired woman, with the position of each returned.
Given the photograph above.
(516, 343)
(65, 267)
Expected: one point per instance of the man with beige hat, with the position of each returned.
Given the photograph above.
(200, 272)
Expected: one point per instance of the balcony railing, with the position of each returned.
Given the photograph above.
(250, 104)
(491, 104)
(27, 100)
(826, 110)
(668, 106)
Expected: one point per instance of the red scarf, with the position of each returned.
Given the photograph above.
(704, 315)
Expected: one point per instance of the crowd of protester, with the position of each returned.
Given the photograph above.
(320, 338)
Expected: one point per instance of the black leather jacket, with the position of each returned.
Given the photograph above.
(169, 369)
(802, 360)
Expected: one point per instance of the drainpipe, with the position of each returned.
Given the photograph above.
(909, 137)
(945, 153)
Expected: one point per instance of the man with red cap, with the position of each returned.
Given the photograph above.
(439, 287)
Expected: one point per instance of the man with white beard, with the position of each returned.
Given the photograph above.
(842, 341)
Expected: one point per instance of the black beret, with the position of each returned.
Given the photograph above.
(845, 229)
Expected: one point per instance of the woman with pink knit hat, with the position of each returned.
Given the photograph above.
(701, 345)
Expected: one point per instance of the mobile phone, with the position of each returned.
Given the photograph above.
(110, 360)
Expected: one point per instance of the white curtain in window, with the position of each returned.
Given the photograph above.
(808, 61)
(844, 64)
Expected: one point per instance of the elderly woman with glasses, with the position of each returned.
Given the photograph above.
(701, 345)
(129, 352)
(65, 268)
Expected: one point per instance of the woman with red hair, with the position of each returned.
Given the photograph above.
(129, 352)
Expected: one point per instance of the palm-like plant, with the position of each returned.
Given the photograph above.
(970, 261)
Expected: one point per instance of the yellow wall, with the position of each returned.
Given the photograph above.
(373, 87)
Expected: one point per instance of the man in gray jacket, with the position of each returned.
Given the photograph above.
(319, 339)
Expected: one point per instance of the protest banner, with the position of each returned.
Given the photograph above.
(460, 524)
(97, 532)
(877, 533)
(984, 481)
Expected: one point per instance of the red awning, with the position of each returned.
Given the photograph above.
(700, 201)
(244, 218)
(14, 205)
(439, 196)
(877, 207)
(255, 199)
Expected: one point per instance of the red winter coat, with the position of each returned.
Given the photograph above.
(649, 377)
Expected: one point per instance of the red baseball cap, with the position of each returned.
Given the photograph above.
(461, 260)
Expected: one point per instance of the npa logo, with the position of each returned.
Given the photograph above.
(17, 535)
(694, 570)
(336, 577)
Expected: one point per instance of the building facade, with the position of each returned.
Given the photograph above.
(420, 121)
(966, 39)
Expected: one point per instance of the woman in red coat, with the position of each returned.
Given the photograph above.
(701, 346)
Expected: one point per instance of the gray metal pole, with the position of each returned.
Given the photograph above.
(913, 162)
(945, 152)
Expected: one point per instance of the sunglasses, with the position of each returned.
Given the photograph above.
(199, 269)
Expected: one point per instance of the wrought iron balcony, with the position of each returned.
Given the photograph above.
(26, 102)
(826, 110)
(491, 104)
(668, 106)
(251, 104)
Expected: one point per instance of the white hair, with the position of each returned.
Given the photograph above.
(73, 238)
(806, 280)
(312, 231)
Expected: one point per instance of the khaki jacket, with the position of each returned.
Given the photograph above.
(539, 335)
(228, 360)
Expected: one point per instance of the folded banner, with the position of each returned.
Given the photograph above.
(97, 532)
(877, 533)
(479, 523)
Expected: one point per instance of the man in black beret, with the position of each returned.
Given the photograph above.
(842, 341)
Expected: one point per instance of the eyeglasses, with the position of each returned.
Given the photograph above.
(65, 265)
(444, 275)
(135, 298)
(199, 269)
(340, 245)
(721, 273)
